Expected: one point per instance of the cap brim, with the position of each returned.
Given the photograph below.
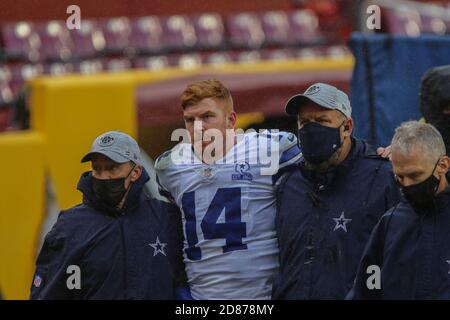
(107, 153)
(297, 101)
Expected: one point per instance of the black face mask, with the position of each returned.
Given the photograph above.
(318, 143)
(421, 195)
(109, 192)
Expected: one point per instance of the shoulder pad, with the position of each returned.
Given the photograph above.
(163, 161)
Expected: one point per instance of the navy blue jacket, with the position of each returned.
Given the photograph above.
(413, 252)
(130, 255)
(324, 221)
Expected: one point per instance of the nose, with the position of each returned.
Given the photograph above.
(408, 182)
(101, 174)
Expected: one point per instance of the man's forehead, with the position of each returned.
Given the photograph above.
(205, 105)
(414, 158)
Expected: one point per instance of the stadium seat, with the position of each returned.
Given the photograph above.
(89, 66)
(308, 53)
(56, 44)
(304, 27)
(117, 35)
(20, 73)
(337, 51)
(433, 24)
(276, 28)
(58, 68)
(245, 30)
(210, 31)
(88, 41)
(116, 64)
(276, 54)
(189, 61)
(216, 58)
(146, 35)
(151, 63)
(402, 21)
(6, 95)
(246, 56)
(20, 41)
(178, 33)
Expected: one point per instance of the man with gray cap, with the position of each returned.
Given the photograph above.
(117, 244)
(328, 204)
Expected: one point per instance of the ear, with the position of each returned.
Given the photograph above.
(443, 166)
(136, 173)
(232, 117)
(348, 127)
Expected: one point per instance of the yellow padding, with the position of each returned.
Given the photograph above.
(21, 210)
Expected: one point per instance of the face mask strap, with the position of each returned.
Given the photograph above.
(435, 166)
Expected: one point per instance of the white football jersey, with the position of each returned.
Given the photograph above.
(228, 214)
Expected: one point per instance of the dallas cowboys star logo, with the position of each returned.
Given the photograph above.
(158, 246)
(341, 222)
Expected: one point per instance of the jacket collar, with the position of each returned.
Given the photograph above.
(323, 179)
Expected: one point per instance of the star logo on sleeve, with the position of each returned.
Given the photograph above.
(341, 222)
(158, 246)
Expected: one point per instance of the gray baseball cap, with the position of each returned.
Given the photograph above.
(117, 146)
(324, 95)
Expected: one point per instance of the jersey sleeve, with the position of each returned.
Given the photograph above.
(290, 153)
(162, 165)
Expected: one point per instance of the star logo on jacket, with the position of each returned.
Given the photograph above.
(158, 246)
(341, 222)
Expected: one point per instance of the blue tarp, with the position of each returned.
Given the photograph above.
(386, 80)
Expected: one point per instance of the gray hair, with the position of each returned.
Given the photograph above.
(413, 134)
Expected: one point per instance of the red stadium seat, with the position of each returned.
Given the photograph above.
(178, 33)
(277, 54)
(20, 73)
(116, 64)
(245, 30)
(216, 58)
(21, 41)
(402, 21)
(6, 94)
(88, 41)
(276, 28)
(210, 31)
(304, 27)
(146, 35)
(151, 63)
(56, 44)
(117, 34)
(189, 61)
(89, 66)
(58, 68)
(308, 53)
(246, 56)
(433, 24)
